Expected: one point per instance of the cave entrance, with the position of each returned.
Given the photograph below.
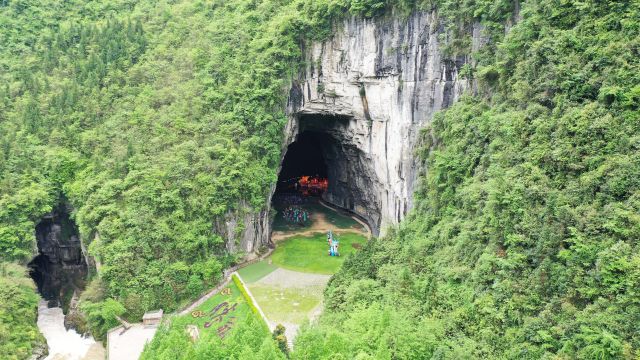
(304, 170)
(302, 181)
(326, 163)
(60, 267)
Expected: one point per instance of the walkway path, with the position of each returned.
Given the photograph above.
(306, 287)
(293, 279)
(226, 278)
(206, 297)
(365, 226)
(128, 345)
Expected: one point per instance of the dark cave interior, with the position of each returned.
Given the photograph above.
(304, 158)
(60, 267)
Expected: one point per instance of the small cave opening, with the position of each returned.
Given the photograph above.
(60, 268)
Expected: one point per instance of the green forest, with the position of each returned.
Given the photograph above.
(153, 119)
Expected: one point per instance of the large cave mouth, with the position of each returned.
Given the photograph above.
(60, 267)
(327, 161)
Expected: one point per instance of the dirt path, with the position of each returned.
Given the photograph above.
(364, 225)
(319, 225)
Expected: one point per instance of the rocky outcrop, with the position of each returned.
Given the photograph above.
(245, 230)
(57, 239)
(40, 349)
(75, 318)
(371, 88)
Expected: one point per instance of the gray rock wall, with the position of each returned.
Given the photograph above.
(385, 78)
(60, 268)
(370, 88)
(245, 230)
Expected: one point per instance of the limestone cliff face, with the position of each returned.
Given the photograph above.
(60, 268)
(373, 86)
(245, 230)
(369, 89)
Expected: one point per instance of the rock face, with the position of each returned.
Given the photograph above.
(371, 88)
(244, 230)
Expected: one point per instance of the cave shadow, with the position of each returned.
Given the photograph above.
(60, 268)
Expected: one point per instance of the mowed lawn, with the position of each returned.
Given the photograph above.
(291, 305)
(310, 253)
(257, 271)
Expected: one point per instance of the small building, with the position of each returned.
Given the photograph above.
(152, 318)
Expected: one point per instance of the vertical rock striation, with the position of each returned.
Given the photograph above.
(372, 86)
(369, 89)
(245, 230)
(60, 268)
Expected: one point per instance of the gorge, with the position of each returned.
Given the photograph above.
(60, 271)
(490, 146)
(60, 268)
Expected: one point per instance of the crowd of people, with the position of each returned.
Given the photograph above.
(295, 214)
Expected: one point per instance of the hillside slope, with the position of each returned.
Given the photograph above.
(158, 120)
(524, 240)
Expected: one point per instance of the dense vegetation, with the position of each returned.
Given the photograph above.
(156, 118)
(18, 309)
(153, 119)
(248, 337)
(149, 131)
(524, 240)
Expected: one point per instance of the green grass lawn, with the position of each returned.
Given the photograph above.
(257, 271)
(287, 305)
(309, 253)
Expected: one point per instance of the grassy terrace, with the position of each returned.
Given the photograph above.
(309, 253)
(257, 271)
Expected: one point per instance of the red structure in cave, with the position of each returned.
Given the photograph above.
(312, 185)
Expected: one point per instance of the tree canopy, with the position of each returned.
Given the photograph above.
(523, 241)
(153, 119)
